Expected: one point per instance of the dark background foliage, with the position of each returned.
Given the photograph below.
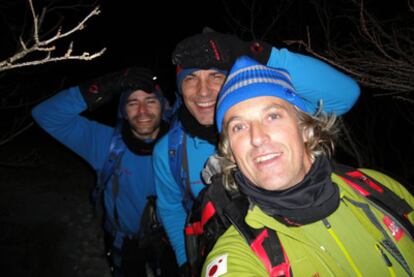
(44, 187)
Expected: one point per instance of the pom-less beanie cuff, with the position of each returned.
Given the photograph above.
(183, 72)
(249, 79)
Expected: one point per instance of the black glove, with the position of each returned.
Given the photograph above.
(217, 50)
(101, 90)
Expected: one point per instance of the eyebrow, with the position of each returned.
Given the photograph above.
(212, 72)
(231, 119)
(217, 72)
(150, 97)
(265, 109)
(191, 74)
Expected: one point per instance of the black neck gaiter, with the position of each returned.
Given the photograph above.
(194, 128)
(313, 199)
(138, 146)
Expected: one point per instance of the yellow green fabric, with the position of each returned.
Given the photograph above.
(312, 251)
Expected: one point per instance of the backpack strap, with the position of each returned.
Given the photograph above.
(175, 144)
(178, 161)
(116, 150)
(379, 194)
(205, 224)
(219, 210)
(149, 224)
(264, 242)
(268, 248)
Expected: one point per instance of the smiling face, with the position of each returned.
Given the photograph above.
(200, 90)
(143, 114)
(266, 142)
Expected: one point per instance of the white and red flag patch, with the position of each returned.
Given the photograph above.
(217, 267)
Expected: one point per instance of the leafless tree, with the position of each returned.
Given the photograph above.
(37, 44)
(379, 54)
(374, 45)
(47, 45)
(255, 19)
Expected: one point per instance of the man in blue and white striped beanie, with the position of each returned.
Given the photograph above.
(249, 79)
(275, 170)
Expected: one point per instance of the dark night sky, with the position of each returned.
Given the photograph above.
(134, 33)
(147, 35)
(144, 33)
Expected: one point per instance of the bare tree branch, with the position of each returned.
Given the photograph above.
(411, 5)
(47, 45)
(381, 56)
(39, 48)
(248, 19)
(30, 159)
(14, 133)
(375, 48)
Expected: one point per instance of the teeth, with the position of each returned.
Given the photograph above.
(144, 120)
(205, 104)
(266, 157)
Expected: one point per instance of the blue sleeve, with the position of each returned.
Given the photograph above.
(169, 200)
(60, 117)
(315, 80)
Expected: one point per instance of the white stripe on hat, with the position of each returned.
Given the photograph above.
(250, 81)
(257, 68)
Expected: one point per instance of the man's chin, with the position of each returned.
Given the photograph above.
(142, 127)
(205, 121)
(144, 132)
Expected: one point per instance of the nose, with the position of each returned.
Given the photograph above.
(204, 87)
(142, 108)
(258, 135)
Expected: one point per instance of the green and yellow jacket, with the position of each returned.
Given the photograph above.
(355, 240)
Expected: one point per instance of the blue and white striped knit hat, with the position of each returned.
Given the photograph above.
(249, 79)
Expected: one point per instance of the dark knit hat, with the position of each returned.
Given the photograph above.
(211, 49)
(200, 52)
(249, 79)
(137, 78)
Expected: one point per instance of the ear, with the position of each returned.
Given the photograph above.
(306, 134)
(231, 156)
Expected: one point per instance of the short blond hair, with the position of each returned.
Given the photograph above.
(320, 130)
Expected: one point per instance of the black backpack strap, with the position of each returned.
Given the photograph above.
(213, 213)
(178, 161)
(188, 198)
(210, 203)
(116, 150)
(264, 242)
(205, 224)
(379, 194)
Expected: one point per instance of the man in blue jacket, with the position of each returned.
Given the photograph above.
(202, 63)
(130, 179)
